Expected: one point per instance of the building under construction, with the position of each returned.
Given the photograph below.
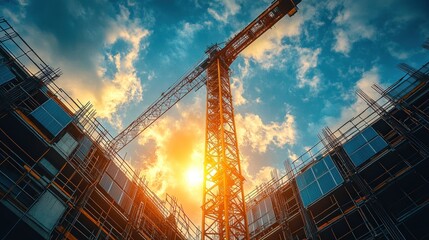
(367, 180)
(59, 179)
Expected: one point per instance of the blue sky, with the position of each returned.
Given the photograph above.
(297, 78)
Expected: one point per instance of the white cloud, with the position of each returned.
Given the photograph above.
(237, 87)
(267, 49)
(308, 60)
(342, 42)
(372, 20)
(151, 75)
(256, 179)
(230, 8)
(23, 2)
(398, 52)
(185, 34)
(368, 79)
(365, 83)
(110, 93)
(292, 157)
(355, 22)
(189, 29)
(253, 132)
(262, 176)
(270, 50)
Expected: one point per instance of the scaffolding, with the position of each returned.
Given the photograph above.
(94, 193)
(384, 193)
(381, 193)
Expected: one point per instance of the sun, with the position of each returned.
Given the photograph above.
(194, 176)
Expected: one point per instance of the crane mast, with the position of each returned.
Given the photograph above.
(223, 208)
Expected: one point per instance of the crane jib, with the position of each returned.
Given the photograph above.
(194, 80)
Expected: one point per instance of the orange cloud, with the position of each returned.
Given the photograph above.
(178, 143)
(178, 140)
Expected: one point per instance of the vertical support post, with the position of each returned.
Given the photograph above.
(224, 211)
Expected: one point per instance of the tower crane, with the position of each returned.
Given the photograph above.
(223, 207)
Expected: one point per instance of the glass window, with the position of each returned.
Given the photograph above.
(126, 203)
(261, 214)
(308, 177)
(112, 169)
(51, 116)
(270, 210)
(84, 148)
(121, 179)
(304, 196)
(115, 192)
(369, 133)
(325, 178)
(106, 182)
(313, 191)
(67, 144)
(319, 168)
(5, 74)
(359, 151)
(300, 181)
(337, 177)
(118, 186)
(48, 166)
(378, 144)
(326, 183)
(47, 210)
(355, 143)
(329, 162)
(362, 155)
(130, 188)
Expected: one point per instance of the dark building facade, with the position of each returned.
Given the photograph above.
(58, 178)
(367, 180)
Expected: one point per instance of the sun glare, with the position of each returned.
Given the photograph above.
(194, 176)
